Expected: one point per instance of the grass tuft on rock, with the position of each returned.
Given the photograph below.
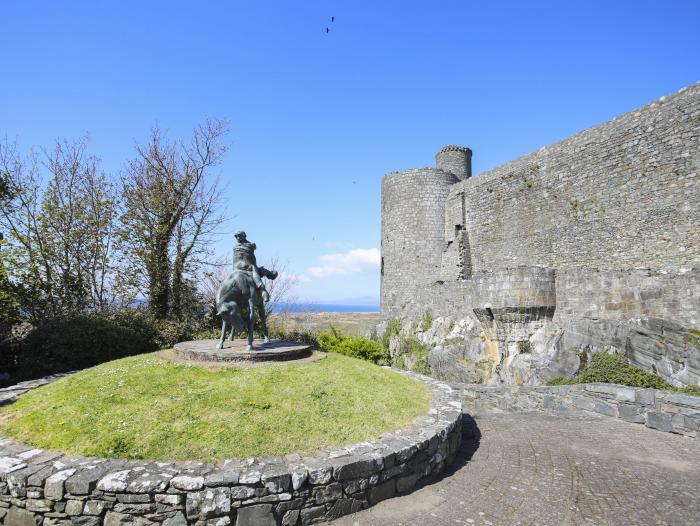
(143, 407)
(615, 369)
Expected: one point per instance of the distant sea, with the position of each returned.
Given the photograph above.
(325, 307)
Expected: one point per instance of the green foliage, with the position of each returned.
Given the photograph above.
(412, 355)
(354, 346)
(393, 328)
(560, 380)
(426, 321)
(143, 407)
(9, 305)
(613, 369)
(524, 347)
(170, 331)
(77, 341)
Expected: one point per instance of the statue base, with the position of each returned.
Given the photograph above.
(236, 352)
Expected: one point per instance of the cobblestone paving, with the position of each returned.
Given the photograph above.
(542, 469)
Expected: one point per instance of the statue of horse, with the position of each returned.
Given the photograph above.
(236, 295)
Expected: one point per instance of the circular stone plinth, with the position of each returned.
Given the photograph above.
(236, 351)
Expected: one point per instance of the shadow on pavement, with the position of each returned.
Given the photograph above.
(471, 438)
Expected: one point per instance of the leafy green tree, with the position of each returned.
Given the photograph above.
(60, 215)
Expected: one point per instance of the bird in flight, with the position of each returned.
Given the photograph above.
(328, 30)
(332, 19)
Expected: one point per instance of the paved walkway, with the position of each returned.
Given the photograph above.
(569, 468)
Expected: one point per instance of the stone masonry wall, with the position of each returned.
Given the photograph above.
(624, 194)
(413, 220)
(663, 410)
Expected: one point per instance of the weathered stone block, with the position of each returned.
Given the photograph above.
(404, 484)
(187, 482)
(216, 502)
(55, 484)
(683, 400)
(583, 402)
(74, 507)
(646, 397)
(320, 475)
(605, 408)
(382, 492)
(135, 509)
(96, 507)
(114, 482)
(176, 520)
(221, 478)
(292, 504)
(311, 515)
(630, 413)
(20, 517)
(169, 499)
(291, 518)
(117, 519)
(684, 424)
(257, 515)
(329, 493)
(133, 498)
(85, 521)
(660, 421)
(39, 505)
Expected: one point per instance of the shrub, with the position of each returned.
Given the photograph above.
(613, 369)
(354, 346)
(83, 340)
(524, 347)
(412, 355)
(393, 328)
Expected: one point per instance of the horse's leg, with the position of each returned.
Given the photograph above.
(251, 321)
(223, 334)
(263, 320)
(233, 331)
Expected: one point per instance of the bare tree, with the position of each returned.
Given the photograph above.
(171, 209)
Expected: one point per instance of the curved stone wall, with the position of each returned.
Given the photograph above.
(413, 223)
(665, 411)
(38, 485)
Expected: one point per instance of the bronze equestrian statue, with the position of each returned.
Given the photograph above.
(243, 291)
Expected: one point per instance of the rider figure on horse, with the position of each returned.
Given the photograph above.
(244, 260)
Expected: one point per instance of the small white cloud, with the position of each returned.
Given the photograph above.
(294, 278)
(351, 262)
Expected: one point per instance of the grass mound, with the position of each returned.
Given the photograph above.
(142, 407)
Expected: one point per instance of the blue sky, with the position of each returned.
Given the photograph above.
(318, 118)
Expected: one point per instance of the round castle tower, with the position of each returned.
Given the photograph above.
(413, 226)
(455, 160)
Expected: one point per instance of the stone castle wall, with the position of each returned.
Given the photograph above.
(625, 194)
(413, 205)
(585, 245)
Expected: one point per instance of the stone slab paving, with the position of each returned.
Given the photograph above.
(556, 469)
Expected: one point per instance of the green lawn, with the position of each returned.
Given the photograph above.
(143, 407)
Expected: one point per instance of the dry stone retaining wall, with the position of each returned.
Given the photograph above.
(663, 410)
(45, 488)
